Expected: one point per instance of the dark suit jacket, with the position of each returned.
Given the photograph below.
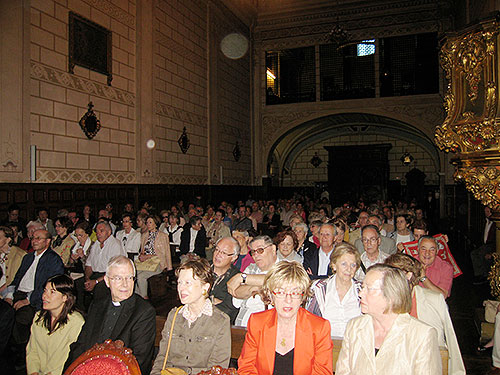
(311, 261)
(307, 246)
(199, 243)
(50, 264)
(136, 327)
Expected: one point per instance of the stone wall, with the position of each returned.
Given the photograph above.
(168, 73)
(59, 99)
(304, 174)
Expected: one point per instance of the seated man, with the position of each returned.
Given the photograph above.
(101, 252)
(244, 287)
(362, 221)
(371, 239)
(387, 245)
(32, 227)
(25, 291)
(122, 315)
(226, 252)
(193, 237)
(317, 260)
(244, 222)
(438, 272)
(129, 237)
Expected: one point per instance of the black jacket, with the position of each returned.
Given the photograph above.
(311, 262)
(199, 243)
(50, 264)
(136, 327)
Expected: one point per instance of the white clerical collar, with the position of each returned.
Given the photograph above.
(116, 304)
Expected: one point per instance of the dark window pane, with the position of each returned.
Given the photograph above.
(409, 65)
(347, 73)
(290, 76)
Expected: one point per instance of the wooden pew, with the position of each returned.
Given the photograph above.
(238, 338)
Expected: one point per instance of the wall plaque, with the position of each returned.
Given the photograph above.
(89, 46)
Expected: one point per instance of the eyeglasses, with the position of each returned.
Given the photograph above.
(119, 279)
(219, 250)
(371, 240)
(281, 294)
(165, 217)
(39, 238)
(260, 250)
(369, 288)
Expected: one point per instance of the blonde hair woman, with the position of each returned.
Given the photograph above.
(273, 335)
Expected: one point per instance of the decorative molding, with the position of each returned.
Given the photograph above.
(49, 175)
(483, 182)
(179, 114)
(61, 78)
(366, 10)
(374, 27)
(113, 11)
(186, 180)
(431, 114)
(9, 159)
(275, 124)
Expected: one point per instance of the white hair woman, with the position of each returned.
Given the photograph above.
(337, 298)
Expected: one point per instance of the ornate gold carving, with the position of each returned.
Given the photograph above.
(58, 77)
(482, 182)
(471, 99)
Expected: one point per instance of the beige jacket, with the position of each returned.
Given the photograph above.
(162, 248)
(205, 344)
(13, 262)
(432, 310)
(410, 348)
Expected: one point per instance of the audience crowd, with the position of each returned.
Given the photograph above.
(296, 272)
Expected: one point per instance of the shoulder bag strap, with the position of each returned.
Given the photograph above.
(170, 337)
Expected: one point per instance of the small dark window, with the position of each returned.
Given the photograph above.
(290, 76)
(89, 46)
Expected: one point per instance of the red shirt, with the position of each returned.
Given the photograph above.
(440, 272)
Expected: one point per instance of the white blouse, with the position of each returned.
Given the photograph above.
(339, 313)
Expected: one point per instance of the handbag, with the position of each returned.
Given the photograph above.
(171, 370)
(490, 310)
(148, 265)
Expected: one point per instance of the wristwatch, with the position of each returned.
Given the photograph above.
(244, 278)
(422, 279)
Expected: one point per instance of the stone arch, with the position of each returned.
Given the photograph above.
(288, 145)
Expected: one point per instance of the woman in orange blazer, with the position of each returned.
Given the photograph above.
(154, 256)
(273, 335)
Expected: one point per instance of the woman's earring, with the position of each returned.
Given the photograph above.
(204, 293)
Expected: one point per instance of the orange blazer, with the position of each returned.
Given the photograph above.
(313, 345)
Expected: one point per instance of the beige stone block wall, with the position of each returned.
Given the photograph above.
(59, 99)
(180, 76)
(303, 173)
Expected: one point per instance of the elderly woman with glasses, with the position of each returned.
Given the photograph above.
(273, 335)
(386, 339)
(337, 298)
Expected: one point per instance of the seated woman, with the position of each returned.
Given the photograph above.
(10, 258)
(80, 251)
(402, 233)
(154, 256)
(202, 334)
(54, 328)
(273, 335)
(430, 307)
(337, 298)
(63, 243)
(287, 243)
(386, 339)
